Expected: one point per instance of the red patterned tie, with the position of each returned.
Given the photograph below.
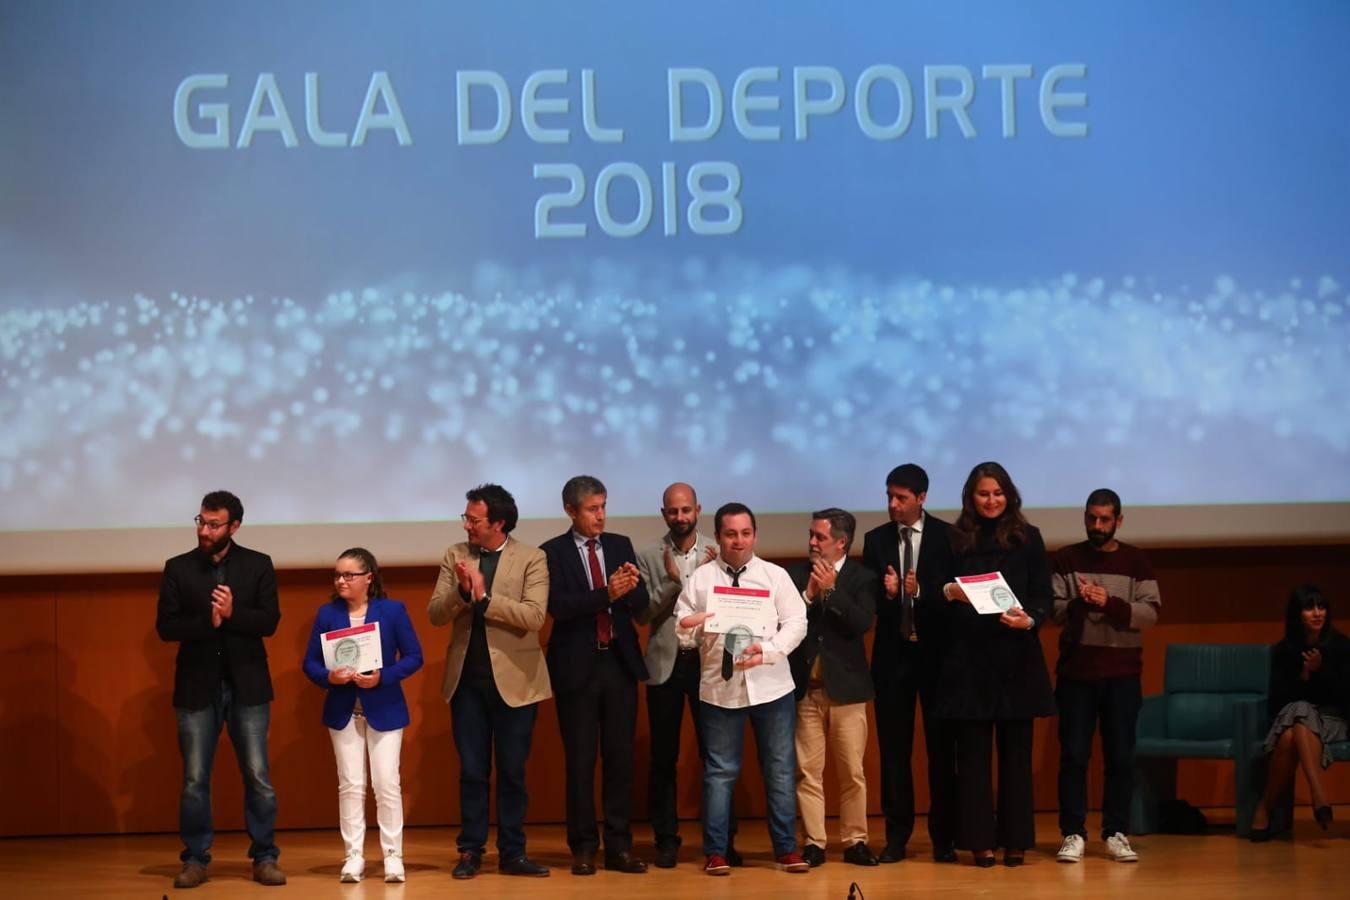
(603, 628)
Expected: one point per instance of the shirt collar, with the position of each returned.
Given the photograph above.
(581, 541)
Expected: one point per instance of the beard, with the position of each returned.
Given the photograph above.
(1100, 538)
(682, 529)
(211, 548)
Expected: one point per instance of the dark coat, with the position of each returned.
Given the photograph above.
(881, 548)
(834, 632)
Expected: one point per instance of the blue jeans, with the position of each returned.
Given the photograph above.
(198, 735)
(483, 723)
(774, 724)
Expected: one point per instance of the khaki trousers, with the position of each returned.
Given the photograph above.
(822, 724)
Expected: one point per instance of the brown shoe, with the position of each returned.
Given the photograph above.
(268, 873)
(193, 874)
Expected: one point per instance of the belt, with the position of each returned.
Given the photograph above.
(686, 651)
(602, 645)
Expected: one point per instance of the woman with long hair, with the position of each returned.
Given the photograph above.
(365, 711)
(994, 679)
(1310, 695)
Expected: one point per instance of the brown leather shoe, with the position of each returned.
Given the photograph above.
(583, 863)
(625, 861)
(269, 873)
(193, 874)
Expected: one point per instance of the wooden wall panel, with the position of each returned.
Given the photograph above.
(88, 719)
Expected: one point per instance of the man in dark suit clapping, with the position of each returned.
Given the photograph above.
(595, 665)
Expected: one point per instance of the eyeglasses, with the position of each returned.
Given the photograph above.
(473, 521)
(348, 577)
(209, 525)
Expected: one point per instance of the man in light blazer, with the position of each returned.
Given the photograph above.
(494, 590)
(672, 661)
(596, 663)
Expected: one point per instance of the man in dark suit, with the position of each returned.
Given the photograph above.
(595, 664)
(829, 669)
(218, 602)
(912, 555)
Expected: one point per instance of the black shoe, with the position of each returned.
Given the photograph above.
(1013, 860)
(1259, 835)
(625, 861)
(814, 856)
(666, 857)
(1323, 816)
(734, 858)
(468, 865)
(522, 866)
(945, 854)
(860, 855)
(892, 853)
(985, 862)
(583, 863)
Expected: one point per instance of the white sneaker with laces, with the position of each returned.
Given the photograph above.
(393, 869)
(352, 870)
(1118, 848)
(1071, 851)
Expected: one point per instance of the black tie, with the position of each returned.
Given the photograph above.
(728, 661)
(735, 575)
(906, 601)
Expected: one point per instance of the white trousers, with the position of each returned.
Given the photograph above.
(351, 746)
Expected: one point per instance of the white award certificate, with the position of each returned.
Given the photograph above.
(751, 608)
(353, 648)
(988, 593)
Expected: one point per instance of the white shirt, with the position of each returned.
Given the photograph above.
(915, 539)
(686, 562)
(765, 682)
(586, 556)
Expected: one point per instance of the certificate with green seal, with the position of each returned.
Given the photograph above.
(356, 648)
(988, 593)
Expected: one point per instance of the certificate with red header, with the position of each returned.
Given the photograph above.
(988, 593)
(356, 648)
(749, 607)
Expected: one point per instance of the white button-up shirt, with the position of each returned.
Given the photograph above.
(762, 683)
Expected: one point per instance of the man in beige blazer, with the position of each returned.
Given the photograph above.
(494, 590)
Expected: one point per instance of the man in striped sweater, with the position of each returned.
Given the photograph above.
(1105, 596)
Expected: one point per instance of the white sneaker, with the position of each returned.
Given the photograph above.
(1118, 848)
(352, 870)
(1071, 851)
(393, 869)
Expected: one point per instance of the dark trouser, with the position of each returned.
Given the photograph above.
(665, 719)
(979, 825)
(897, 695)
(601, 715)
(198, 736)
(1115, 702)
(483, 722)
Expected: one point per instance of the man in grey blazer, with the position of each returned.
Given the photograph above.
(673, 668)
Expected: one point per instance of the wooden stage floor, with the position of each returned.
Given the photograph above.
(1170, 867)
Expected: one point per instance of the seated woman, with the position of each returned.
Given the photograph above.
(1309, 670)
(365, 711)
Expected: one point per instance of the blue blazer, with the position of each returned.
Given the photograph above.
(383, 705)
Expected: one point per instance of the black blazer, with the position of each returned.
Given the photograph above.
(991, 671)
(573, 605)
(235, 649)
(881, 548)
(834, 632)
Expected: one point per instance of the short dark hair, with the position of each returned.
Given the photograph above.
(842, 524)
(226, 501)
(368, 560)
(501, 506)
(579, 486)
(732, 509)
(1103, 497)
(910, 477)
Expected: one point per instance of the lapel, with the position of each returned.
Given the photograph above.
(575, 573)
(927, 547)
(510, 558)
(891, 552)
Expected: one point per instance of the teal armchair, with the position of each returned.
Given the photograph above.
(1213, 706)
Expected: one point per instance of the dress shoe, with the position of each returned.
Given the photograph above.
(945, 854)
(716, 865)
(860, 855)
(1259, 835)
(1013, 860)
(269, 873)
(814, 856)
(666, 857)
(734, 858)
(468, 865)
(892, 853)
(1323, 816)
(192, 875)
(985, 862)
(522, 865)
(625, 861)
(583, 863)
